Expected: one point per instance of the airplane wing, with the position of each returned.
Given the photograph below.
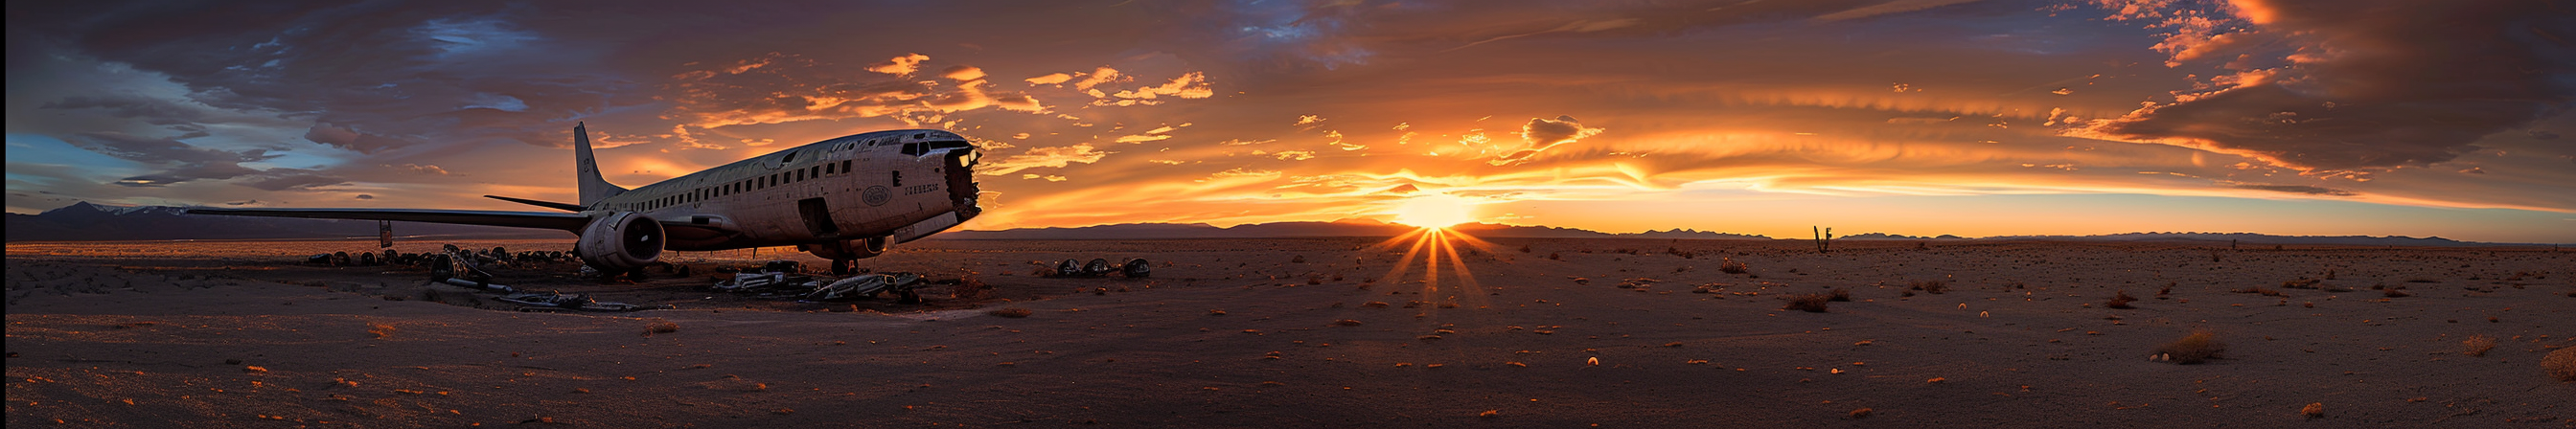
(559, 221)
(572, 222)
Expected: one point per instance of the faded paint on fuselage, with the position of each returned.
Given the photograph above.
(871, 184)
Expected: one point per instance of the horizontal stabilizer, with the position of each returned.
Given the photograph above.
(545, 204)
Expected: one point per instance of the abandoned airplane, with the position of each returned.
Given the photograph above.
(841, 199)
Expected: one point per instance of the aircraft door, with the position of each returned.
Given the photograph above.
(818, 218)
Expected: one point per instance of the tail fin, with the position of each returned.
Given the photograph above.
(593, 188)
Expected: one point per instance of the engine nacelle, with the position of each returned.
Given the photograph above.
(847, 249)
(621, 241)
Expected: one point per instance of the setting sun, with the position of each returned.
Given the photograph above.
(1435, 211)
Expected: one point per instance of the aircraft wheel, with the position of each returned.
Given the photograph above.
(908, 296)
(843, 267)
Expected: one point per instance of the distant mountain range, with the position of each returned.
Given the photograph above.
(92, 222)
(83, 221)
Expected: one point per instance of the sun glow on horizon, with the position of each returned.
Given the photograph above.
(1435, 211)
(1433, 245)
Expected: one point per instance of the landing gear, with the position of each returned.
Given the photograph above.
(907, 296)
(843, 267)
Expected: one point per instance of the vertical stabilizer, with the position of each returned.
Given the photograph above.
(593, 188)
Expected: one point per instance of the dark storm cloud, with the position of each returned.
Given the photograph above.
(155, 111)
(2343, 85)
(182, 162)
(370, 76)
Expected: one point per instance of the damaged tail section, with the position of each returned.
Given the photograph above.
(593, 188)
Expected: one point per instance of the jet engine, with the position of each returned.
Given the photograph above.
(620, 242)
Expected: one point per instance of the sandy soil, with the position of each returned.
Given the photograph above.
(1315, 333)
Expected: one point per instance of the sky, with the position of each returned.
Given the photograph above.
(1918, 117)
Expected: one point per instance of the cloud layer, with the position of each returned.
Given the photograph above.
(1118, 111)
(2351, 85)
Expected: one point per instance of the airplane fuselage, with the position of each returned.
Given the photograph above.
(896, 185)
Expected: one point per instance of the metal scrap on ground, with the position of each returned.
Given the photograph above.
(1134, 268)
(777, 282)
(570, 302)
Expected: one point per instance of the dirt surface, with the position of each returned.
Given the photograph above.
(1314, 333)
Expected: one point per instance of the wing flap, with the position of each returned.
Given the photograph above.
(546, 204)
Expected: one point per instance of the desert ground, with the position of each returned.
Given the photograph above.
(1350, 332)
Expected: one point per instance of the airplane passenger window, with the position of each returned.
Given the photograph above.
(815, 171)
(845, 166)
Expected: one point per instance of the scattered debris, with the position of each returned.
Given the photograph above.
(1134, 268)
(789, 285)
(867, 285)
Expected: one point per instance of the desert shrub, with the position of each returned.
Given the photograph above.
(2314, 410)
(2560, 364)
(2477, 345)
(2304, 283)
(1730, 266)
(2394, 293)
(661, 327)
(1935, 287)
(2120, 300)
(2198, 347)
(970, 288)
(1812, 303)
(1013, 312)
(1838, 295)
(380, 330)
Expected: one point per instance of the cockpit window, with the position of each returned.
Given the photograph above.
(790, 157)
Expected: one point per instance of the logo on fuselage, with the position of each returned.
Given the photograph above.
(920, 189)
(876, 195)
